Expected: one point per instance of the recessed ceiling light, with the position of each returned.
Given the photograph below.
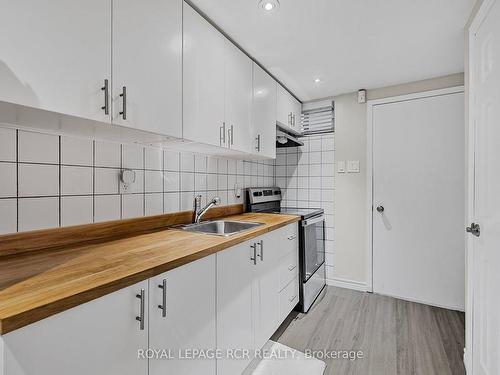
(269, 5)
(317, 80)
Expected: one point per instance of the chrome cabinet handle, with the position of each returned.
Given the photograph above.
(258, 143)
(291, 299)
(222, 134)
(141, 317)
(230, 135)
(380, 209)
(163, 306)
(293, 120)
(291, 268)
(290, 119)
(105, 88)
(123, 95)
(254, 258)
(292, 237)
(261, 255)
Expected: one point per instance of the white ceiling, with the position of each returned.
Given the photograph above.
(349, 44)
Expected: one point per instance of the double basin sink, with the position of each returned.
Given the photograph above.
(220, 227)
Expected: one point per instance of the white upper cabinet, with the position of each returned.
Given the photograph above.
(238, 98)
(147, 65)
(289, 110)
(182, 316)
(56, 54)
(203, 80)
(264, 113)
(99, 337)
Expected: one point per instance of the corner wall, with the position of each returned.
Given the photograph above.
(349, 261)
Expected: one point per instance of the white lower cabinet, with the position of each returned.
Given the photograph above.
(250, 298)
(235, 279)
(233, 300)
(100, 337)
(182, 318)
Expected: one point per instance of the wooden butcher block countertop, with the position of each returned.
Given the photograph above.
(41, 283)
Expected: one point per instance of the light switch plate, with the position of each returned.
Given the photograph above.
(353, 166)
(341, 166)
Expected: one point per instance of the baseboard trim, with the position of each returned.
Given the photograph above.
(347, 284)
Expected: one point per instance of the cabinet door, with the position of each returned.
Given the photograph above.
(238, 98)
(101, 337)
(203, 80)
(235, 275)
(268, 287)
(264, 113)
(182, 317)
(147, 61)
(56, 55)
(296, 108)
(283, 107)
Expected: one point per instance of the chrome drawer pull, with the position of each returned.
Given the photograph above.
(141, 316)
(291, 268)
(292, 237)
(291, 299)
(163, 306)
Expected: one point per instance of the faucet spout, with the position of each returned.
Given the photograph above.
(198, 211)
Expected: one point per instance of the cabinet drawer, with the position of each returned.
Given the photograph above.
(289, 297)
(288, 268)
(286, 238)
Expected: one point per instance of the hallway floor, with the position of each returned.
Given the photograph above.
(397, 337)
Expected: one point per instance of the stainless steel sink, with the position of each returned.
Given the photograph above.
(220, 227)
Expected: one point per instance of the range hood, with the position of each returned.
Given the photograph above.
(285, 139)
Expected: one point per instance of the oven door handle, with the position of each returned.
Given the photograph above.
(312, 221)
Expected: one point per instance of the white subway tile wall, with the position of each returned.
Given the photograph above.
(49, 181)
(306, 176)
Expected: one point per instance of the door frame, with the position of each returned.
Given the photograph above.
(470, 123)
(370, 105)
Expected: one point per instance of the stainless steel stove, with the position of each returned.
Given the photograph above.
(311, 240)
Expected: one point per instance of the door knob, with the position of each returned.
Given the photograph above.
(380, 209)
(474, 229)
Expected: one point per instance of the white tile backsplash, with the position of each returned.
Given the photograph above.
(77, 180)
(153, 204)
(171, 202)
(306, 177)
(8, 216)
(38, 148)
(107, 154)
(77, 210)
(106, 180)
(38, 213)
(132, 205)
(77, 151)
(38, 180)
(187, 162)
(66, 180)
(153, 181)
(132, 157)
(153, 158)
(106, 207)
(171, 160)
(8, 185)
(7, 144)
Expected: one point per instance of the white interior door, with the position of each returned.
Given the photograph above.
(486, 248)
(418, 179)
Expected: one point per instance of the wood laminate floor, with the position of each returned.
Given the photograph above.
(397, 337)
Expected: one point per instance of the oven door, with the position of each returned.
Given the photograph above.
(313, 245)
